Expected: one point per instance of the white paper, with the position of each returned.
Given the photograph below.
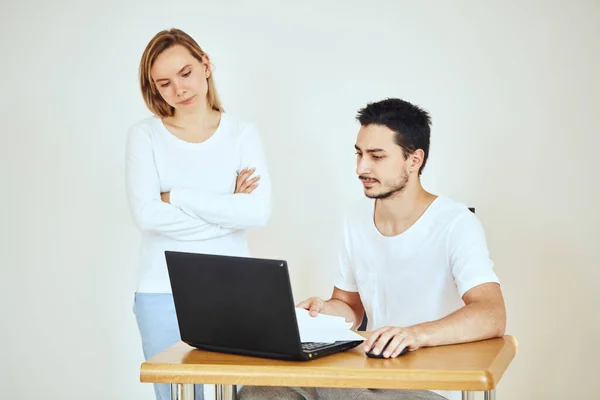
(324, 328)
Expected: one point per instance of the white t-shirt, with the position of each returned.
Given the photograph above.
(419, 275)
(205, 216)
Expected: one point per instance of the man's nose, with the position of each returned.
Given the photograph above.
(362, 166)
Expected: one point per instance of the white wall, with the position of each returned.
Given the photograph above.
(512, 87)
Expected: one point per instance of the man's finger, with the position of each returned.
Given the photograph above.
(314, 309)
(382, 342)
(399, 349)
(304, 304)
(393, 345)
(371, 340)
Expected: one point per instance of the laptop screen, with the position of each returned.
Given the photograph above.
(234, 302)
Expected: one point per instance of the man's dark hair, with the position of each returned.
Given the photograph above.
(411, 124)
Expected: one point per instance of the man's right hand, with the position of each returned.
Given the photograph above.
(314, 305)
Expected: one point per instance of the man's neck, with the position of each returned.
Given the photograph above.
(400, 211)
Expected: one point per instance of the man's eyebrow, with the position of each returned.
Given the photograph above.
(181, 70)
(369, 150)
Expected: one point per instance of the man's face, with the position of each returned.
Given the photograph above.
(380, 162)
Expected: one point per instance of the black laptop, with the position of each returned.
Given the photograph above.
(240, 305)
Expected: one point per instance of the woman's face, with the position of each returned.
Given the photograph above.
(181, 79)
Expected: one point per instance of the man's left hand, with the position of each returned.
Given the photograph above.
(400, 338)
(166, 197)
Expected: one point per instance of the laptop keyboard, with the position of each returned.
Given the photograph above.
(310, 346)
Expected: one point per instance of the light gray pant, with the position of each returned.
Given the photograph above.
(296, 393)
(157, 322)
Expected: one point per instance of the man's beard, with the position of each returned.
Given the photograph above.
(398, 187)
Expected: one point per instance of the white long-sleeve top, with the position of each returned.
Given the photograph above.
(205, 216)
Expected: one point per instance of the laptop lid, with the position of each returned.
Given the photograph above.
(240, 305)
(235, 304)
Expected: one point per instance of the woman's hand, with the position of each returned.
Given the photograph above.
(245, 184)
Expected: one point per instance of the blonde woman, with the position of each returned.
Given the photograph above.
(196, 179)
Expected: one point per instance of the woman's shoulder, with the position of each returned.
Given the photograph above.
(238, 127)
(145, 125)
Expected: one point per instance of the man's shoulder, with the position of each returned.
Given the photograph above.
(444, 212)
(448, 206)
(450, 213)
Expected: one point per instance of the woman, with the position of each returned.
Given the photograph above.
(192, 179)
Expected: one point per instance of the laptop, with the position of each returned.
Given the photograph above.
(240, 305)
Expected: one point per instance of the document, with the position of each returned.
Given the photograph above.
(324, 328)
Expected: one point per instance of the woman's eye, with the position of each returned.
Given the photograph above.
(187, 74)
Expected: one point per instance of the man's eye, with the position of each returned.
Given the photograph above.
(377, 157)
(186, 74)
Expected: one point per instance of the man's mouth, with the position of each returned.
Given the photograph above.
(367, 182)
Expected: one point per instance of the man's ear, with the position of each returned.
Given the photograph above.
(416, 160)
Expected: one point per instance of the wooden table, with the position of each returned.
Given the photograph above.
(468, 367)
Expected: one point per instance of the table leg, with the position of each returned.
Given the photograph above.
(468, 395)
(489, 395)
(181, 391)
(225, 392)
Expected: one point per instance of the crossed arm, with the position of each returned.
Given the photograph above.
(243, 209)
(190, 214)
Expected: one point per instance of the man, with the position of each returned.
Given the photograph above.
(417, 263)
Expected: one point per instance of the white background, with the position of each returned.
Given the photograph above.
(513, 90)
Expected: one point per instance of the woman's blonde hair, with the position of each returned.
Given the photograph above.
(159, 43)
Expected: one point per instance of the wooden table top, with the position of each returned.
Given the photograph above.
(476, 366)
